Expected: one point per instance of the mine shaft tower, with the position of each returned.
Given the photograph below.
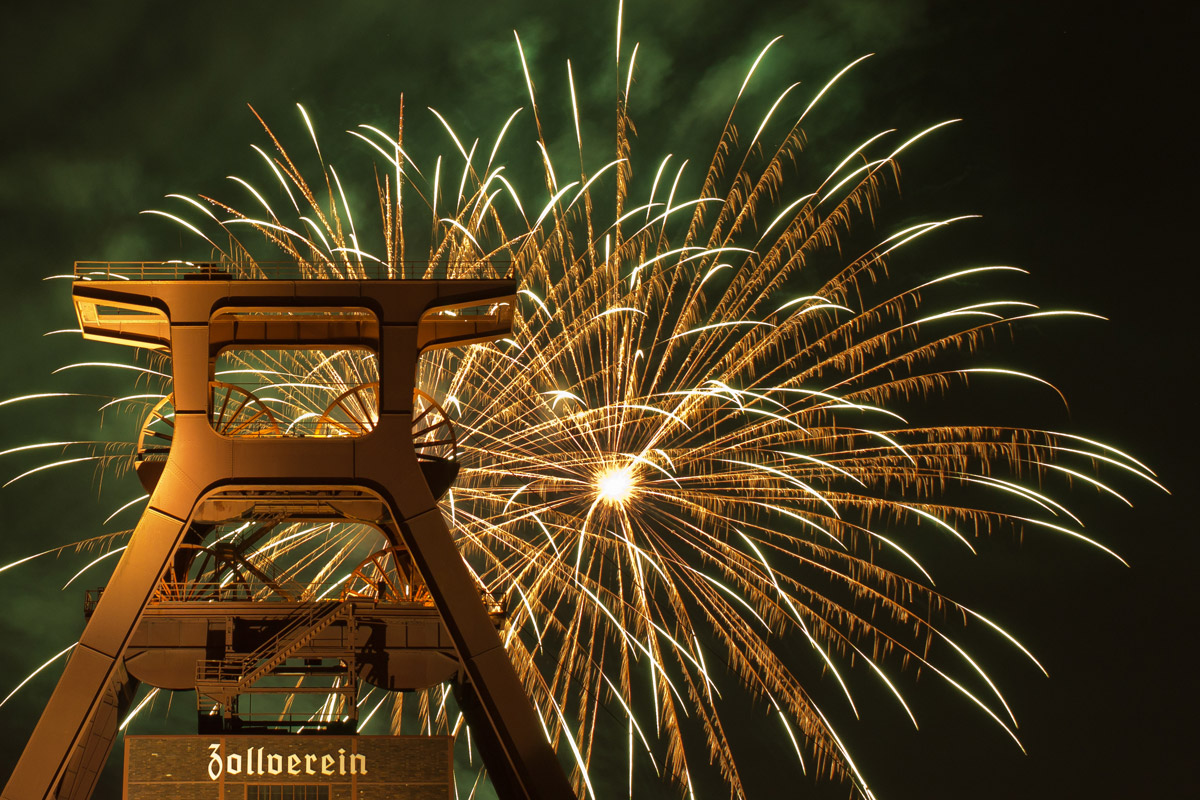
(213, 471)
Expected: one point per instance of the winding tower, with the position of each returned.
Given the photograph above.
(187, 610)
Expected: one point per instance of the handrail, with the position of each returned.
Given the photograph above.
(232, 591)
(289, 270)
(90, 598)
(308, 621)
(284, 719)
(233, 675)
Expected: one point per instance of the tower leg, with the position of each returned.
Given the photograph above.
(530, 768)
(89, 758)
(96, 661)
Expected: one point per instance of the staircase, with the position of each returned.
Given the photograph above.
(224, 679)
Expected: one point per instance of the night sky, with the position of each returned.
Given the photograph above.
(1071, 149)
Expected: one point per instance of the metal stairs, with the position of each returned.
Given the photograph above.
(224, 679)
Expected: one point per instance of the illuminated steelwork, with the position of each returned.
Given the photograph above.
(226, 459)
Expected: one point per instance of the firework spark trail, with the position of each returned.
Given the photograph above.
(677, 460)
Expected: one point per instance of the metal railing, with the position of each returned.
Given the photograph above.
(236, 591)
(275, 716)
(324, 593)
(90, 598)
(300, 629)
(219, 678)
(289, 270)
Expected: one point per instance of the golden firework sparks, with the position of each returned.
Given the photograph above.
(694, 445)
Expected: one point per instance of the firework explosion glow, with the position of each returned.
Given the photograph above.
(702, 472)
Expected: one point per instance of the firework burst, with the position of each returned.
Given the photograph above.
(693, 451)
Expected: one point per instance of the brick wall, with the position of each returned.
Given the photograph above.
(182, 767)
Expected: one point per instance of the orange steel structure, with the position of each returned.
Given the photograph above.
(209, 475)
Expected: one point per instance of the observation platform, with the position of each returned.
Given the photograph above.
(397, 645)
(288, 304)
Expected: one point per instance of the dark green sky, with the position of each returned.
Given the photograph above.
(1071, 149)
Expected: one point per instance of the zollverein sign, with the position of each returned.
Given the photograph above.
(326, 767)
